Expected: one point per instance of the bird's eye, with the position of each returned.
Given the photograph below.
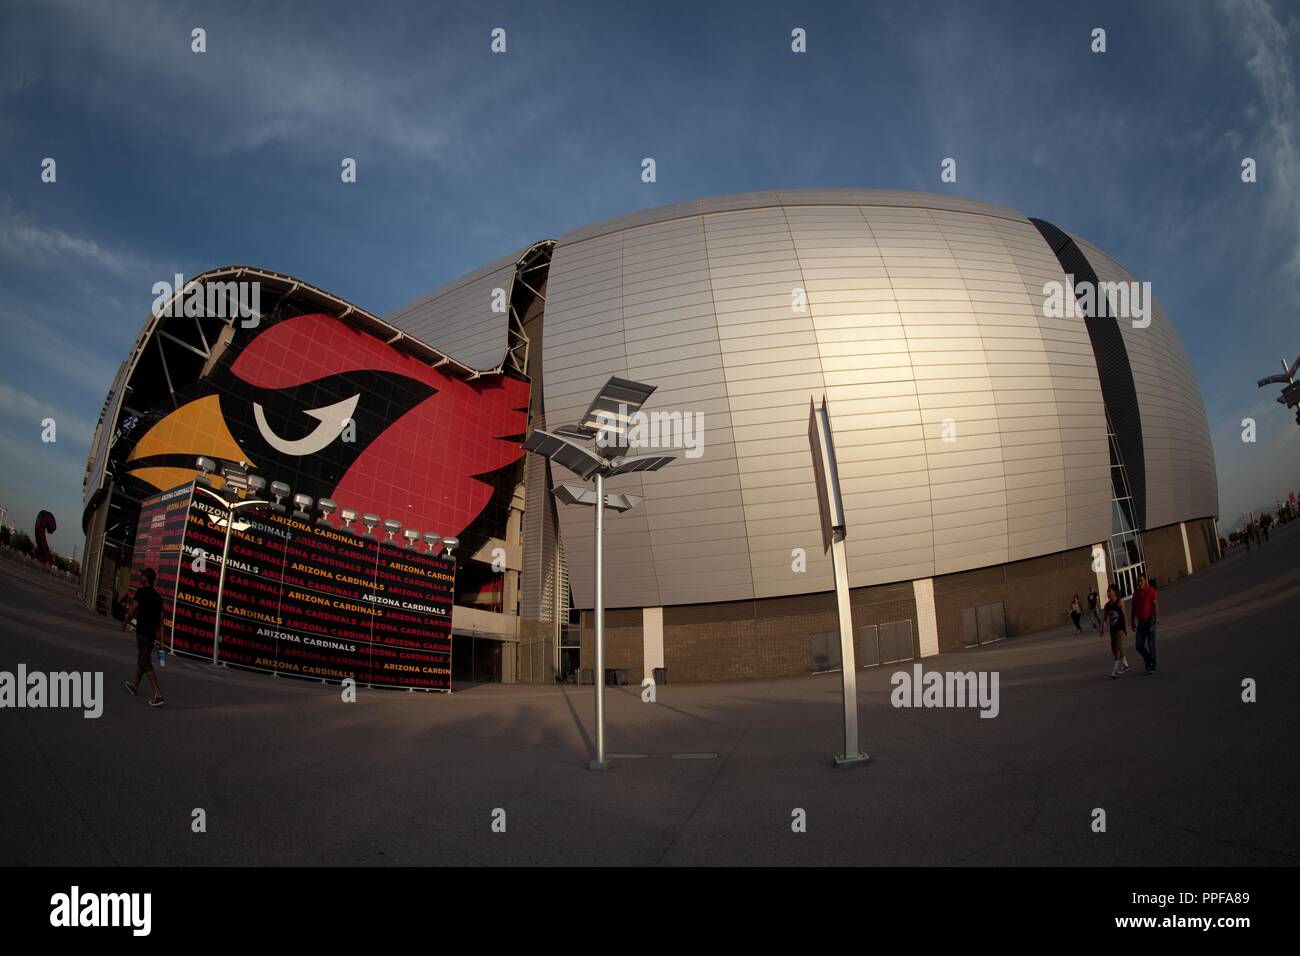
(333, 419)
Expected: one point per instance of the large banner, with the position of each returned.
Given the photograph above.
(159, 537)
(313, 600)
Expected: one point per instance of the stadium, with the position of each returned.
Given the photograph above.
(988, 446)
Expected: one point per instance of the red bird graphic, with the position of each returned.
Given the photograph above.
(337, 413)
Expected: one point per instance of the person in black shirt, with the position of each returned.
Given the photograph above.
(146, 608)
(1113, 617)
(1092, 607)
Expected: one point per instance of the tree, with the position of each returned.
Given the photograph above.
(22, 542)
(1265, 520)
(6, 538)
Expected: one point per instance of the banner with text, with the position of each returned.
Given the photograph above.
(313, 600)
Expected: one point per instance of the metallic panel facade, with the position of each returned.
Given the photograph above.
(459, 315)
(1181, 481)
(970, 429)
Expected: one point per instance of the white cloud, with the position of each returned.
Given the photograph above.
(24, 243)
(268, 78)
(1269, 46)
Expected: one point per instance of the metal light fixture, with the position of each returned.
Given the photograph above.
(606, 421)
(236, 476)
(348, 516)
(279, 491)
(371, 522)
(449, 545)
(411, 536)
(302, 506)
(432, 540)
(326, 507)
(1290, 396)
(392, 526)
(206, 467)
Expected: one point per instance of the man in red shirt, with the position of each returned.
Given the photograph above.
(1146, 608)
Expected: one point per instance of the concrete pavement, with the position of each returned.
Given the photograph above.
(289, 774)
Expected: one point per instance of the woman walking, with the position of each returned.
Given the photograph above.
(1076, 614)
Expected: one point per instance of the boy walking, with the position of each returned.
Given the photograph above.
(1113, 619)
(146, 608)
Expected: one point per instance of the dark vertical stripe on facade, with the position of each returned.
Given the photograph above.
(1113, 368)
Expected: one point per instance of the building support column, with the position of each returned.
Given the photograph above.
(652, 639)
(1187, 551)
(927, 618)
(1103, 579)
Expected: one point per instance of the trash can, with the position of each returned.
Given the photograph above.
(660, 675)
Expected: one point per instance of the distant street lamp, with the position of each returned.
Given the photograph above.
(1290, 396)
(605, 421)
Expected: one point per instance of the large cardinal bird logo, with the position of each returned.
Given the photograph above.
(336, 413)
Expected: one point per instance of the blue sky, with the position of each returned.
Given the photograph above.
(171, 161)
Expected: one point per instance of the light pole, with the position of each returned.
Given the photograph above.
(1290, 396)
(606, 421)
(237, 479)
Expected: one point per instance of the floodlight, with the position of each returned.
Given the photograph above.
(432, 540)
(581, 461)
(627, 466)
(326, 507)
(572, 431)
(370, 521)
(392, 526)
(617, 399)
(450, 545)
(411, 536)
(236, 476)
(256, 484)
(301, 504)
(279, 491)
(348, 516)
(576, 495)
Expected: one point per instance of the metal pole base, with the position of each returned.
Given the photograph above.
(858, 760)
(597, 764)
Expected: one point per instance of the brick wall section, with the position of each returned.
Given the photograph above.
(623, 642)
(1035, 594)
(750, 640)
(1163, 550)
(1200, 537)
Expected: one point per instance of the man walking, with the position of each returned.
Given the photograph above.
(1145, 611)
(1113, 618)
(1092, 607)
(146, 608)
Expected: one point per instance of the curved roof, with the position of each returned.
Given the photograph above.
(788, 197)
(459, 319)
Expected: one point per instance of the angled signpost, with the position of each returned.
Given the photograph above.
(831, 507)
